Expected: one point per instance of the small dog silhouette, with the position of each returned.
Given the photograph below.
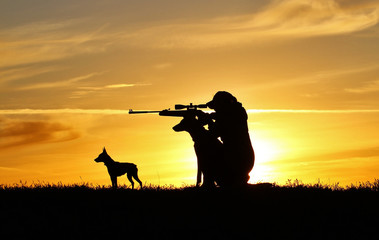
(116, 169)
(208, 150)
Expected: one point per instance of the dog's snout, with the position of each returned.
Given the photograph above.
(175, 128)
(178, 127)
(181, 126)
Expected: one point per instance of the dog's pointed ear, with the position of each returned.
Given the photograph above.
(104, 150)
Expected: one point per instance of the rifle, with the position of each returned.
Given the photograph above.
(191, 110)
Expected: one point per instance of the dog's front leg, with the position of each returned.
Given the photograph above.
(198, 180)
(114, 181)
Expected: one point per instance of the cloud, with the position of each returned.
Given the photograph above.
(315, 77)
(61, 83)
(20, 133)
(314, 18)
(62, 111)
(372, 86)
(121, 85)
(280, 19)
(341, 157)
(355, 153)
(16, 73)
(87, 90)
(47, 41)
(332, 111)
(161, 66)
(123, 111)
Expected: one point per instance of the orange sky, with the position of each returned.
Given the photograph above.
(70, 70)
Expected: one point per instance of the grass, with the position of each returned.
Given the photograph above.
(360, 186)
(295, 184)
(263, 211)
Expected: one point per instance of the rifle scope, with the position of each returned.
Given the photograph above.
(191, 106)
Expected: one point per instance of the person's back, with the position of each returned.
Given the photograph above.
(231, 126)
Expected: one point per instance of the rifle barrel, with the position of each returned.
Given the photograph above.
(131, 111)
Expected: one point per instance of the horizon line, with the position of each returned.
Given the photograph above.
(26, 111)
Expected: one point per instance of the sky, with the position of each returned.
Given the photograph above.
(306, 71)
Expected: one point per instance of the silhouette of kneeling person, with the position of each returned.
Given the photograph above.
(230, 124)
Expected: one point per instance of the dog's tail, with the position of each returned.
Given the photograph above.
(135, 168)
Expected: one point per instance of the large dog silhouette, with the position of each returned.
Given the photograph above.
(208, 151)
(116, 169)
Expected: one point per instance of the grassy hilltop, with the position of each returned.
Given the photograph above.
(262, 211)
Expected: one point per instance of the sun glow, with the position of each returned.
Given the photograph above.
(265, 152)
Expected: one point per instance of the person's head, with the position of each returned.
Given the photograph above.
(221, 100)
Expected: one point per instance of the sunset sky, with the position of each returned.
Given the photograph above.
(306, 71)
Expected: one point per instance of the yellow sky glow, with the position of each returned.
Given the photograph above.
(306, 71)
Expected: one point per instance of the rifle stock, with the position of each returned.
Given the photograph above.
(178, 113)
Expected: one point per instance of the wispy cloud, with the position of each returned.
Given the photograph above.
(18, 133)
(338, 156)
(7, 75)
(372, 86)
(46, 41)
(51, 40)
(61, 83)
(315, 77)
(123, 111)
(87, 90)
(161, 66)
(332, 111)
(62, 111)
(315, 18)
(121, 85)
(280, 19)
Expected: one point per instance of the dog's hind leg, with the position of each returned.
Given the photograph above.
(137, 179)
(130, 179)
